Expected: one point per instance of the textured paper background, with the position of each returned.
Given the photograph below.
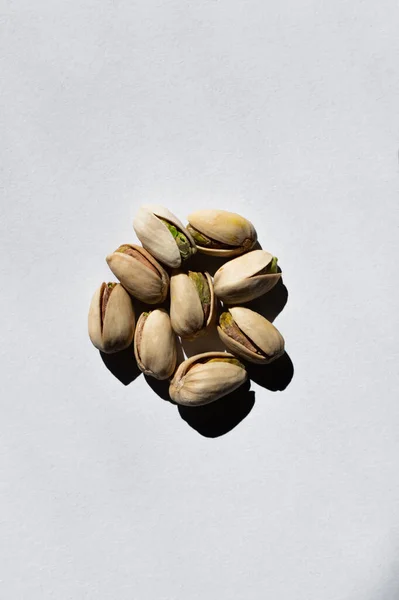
(288, 113)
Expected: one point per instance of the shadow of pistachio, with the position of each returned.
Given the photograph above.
(161, 388)
(271, 304)
(203, 262)
(208, 342)
(122, 365)
(276, 376)
(219, 417)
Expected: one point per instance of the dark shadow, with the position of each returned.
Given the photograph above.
(275, 377)
(209, 342)
(122, 365)
(220, 417)
(271, 304)
(203, 262)
(161, 388)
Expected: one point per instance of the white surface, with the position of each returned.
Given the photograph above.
(288, 113)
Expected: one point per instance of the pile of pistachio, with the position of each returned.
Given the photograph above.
(161, 266)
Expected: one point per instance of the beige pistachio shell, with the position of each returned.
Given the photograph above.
(155, 344)
(263, 335)
(139, 280)
(239, 280)
(196, 383)
(225, 227)
(186, 310)
(115, 332)
(156, 237)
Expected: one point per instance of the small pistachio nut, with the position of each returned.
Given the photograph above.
(111, 318)
(192, 303)
(250, 336)
(162, 234)
(155, 344)
(205, 378)
(139, 273)
(246, 277)
(221, 233)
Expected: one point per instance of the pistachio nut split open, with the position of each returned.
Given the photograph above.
(250, 336)
(111, 318)
(163, 235)
(139, 273)
(205, 378)
(192, 303)
(221, 233)
(246, 277)
(155, 344)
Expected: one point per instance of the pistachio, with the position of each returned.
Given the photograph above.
(139, 273)
(111, 318)
(205, 378)
(192, 303)
(221, 233)
(250, 336)
(162, 234)
(246, 277)
(155, 344)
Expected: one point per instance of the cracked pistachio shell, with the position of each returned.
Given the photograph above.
(112, 329)
(245, 277)
(157, 238)
(197, 382)
(155, 344)
(221, 233)
(142, 276)
(261, 343)
(186, 305)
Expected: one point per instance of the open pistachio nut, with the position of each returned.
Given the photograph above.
(162, 234)
(155, 344)
(192, 303)
(246, 277)
(205, 378)
(250, 336)
(139, 273)
(111, 318)
(221, 233)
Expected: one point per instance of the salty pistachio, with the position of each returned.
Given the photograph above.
(250, 336)
(205, 378)
(221, 233)
(111, 318)
(246, 277)
(139, 273)
(162, 234)
(192, 303)
(155, 344)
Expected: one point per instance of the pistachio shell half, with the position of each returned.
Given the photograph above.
(155, 344)
(246, 277)
(192, 303)
(250, 336)
(111, 318)
(205, 378)
(162, 234)
(139, 273)
(221, 233)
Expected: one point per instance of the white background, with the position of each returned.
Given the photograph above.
(286, 112)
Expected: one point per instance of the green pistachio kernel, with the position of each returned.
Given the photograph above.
(201, 283)
(182, 242)
(203, 240)
(272, 267)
